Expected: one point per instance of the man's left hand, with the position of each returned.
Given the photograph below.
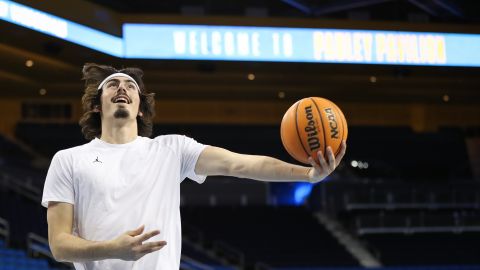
(319, 171)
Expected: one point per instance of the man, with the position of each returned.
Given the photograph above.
(109, 200)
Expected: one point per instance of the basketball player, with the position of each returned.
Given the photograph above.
(114, 203)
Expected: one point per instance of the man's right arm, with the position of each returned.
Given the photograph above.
(69, 248)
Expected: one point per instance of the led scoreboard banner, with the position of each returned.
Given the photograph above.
(299, 45)
(272, 44)
(58, 27)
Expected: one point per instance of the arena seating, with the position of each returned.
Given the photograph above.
(15, 259)
(24, 216)
(283, 236)
(196, 255)
(423, 267)
(369, 193)
(417, 157)
(427, 248)
(17, 164)
(12, 155)
(406, 223)
(48, 138)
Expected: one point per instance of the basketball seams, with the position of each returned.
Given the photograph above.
(282, 135)
(323, 128)
(296, 128)
(342, 118)
(344, 128)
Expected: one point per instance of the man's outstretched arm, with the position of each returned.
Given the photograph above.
(69, 248)
(219, 161)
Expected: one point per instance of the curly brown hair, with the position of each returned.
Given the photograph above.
(91, 123)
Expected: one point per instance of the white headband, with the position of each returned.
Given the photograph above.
(119, 74)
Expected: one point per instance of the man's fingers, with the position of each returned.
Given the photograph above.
(137, 231)
(313, 163)
(331, 159)
(323, 162)
(343, 150)
(146, 236)
(152, 246)
(152, 250)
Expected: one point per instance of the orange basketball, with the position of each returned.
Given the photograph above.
(310, 125)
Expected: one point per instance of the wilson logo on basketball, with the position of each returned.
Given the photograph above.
(332, 121)
(311, 130)
(311, 124)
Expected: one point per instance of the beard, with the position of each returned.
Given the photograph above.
(121, 113)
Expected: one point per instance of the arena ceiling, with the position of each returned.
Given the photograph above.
(451, 11)
(57, 64)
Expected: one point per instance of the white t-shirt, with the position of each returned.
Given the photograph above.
(115, 188)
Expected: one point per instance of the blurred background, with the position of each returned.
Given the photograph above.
(407, 194)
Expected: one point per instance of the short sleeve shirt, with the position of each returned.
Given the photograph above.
(115, 188)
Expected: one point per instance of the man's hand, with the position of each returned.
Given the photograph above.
(319, 171)
(130, 247)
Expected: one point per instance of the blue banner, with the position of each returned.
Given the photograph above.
(276, 44)
(60, 28)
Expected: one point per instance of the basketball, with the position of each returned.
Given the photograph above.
(310, 125)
